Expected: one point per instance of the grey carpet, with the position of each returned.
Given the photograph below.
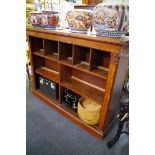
(49, 133)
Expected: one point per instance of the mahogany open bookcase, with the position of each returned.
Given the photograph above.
(91, 66)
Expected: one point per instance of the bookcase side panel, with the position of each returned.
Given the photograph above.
(114, 103)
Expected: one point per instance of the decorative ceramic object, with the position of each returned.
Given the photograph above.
(64, 7)
(79, 20)
(111, 20)
(50, 19)
(35, 19)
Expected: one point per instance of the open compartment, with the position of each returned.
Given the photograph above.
(82, 83)
(47, 68)
(47, 88)
(81, 57)
(37, 45)
(51, 49)
(65, 53)
(69, 98)
(72, 109)
(100, 61)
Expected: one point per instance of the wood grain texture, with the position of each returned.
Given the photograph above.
(53, 57)
(108, 90)
(93, 67)
(67, 33)
(51, 65)
(49, 74)
(32, 63)
(84, 90)
(66, 53)
(114, 103)
(50, 46)
(101, 43)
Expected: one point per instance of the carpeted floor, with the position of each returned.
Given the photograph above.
(49, 133)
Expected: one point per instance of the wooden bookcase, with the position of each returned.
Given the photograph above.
(93, 67)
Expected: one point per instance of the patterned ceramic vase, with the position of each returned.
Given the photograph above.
(35, 19)
(111, 20)
(50, 19)
(79, 20)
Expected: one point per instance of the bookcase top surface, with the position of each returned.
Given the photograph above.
(65, 32)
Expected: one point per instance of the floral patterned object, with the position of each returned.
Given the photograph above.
(35, 19)
(111, 20)
(50, 19)
(79, 20)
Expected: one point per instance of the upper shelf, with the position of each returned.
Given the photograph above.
(87, 40)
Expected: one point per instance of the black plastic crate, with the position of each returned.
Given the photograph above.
(49, 87)
(70, 99)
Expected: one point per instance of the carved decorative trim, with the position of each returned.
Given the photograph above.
(125, 51)
(114, 58)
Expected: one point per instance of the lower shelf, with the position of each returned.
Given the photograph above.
(84, 90)
(94, 130)
(48, 73)
(56, 102)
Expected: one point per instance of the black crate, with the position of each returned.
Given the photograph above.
(70, 99)
(49, 87)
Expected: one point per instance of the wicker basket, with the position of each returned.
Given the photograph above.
(89, 111)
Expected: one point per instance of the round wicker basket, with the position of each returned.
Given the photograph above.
(89, 111)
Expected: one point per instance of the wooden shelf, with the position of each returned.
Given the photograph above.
(81, 63)
(76, 116)
(48, 73)
(96, 72)
(56, 102)
(94, 130)
(84, 90)
(83, 66)
(101, 72)
(53, 56)
(67, 61)
(39, 53)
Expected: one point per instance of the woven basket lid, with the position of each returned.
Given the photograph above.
(91, 105)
